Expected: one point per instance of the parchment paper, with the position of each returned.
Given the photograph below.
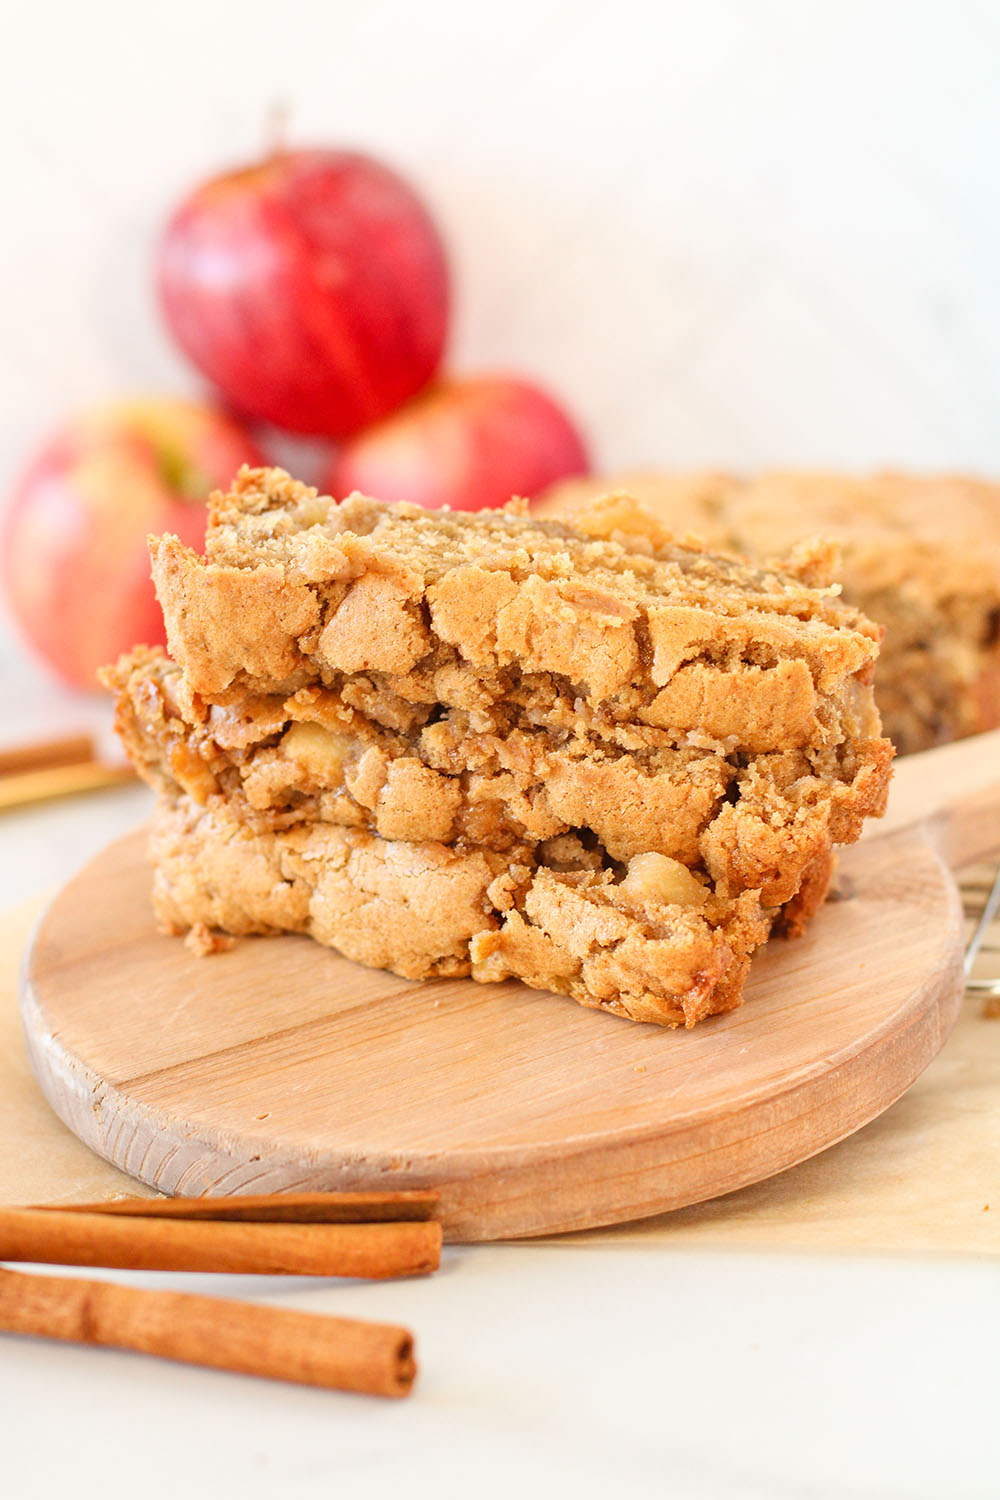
(924, 1177)
(40, 1160)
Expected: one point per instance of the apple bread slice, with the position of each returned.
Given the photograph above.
(403, 611)
(654, 945)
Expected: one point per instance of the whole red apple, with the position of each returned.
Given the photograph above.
(312, 289)
(73, 555)
(467, 444)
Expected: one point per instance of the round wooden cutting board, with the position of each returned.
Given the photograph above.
(279, 1065)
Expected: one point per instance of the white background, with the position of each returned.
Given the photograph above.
(725, 232)
(738, 233)
(735, 232)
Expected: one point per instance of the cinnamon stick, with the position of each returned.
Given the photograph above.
(23, 787)
(374, 1251)
(66, 750)
(270, 1208)
(338, 1353)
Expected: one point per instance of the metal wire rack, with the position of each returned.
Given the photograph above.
(981, 899)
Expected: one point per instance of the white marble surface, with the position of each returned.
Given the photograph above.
(550, 1371)
(729, 233)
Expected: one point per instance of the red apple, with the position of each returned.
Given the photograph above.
(312, 289)
(73, 555)
(467, 444)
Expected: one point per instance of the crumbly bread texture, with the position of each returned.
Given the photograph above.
(743, 822)
(653, 946)
(588, 756)
(920, 554)
(402, 611)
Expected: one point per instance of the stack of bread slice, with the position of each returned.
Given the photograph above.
(582, 755)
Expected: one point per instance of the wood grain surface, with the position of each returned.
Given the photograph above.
(280, 1065)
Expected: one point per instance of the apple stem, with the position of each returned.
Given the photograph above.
(276, 127)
